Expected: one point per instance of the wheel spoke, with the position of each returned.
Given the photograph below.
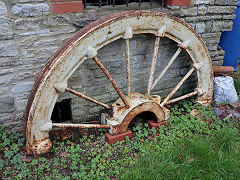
(64, 125)
(128, 68)
(178, 86)
(183, 97)
(97, 61)
(87, 98)
(182, 46)
(167, 66)
(156, 46)
(128, 35)
(159, 34)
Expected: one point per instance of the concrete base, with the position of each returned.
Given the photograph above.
(112, 139)
(153, 124)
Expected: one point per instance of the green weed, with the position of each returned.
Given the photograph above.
(188, 147)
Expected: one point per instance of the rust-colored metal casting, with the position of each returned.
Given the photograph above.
(84, 45)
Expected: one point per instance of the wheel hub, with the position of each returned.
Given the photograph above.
(138, 103)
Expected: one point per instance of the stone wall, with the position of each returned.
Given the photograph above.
(30, 34)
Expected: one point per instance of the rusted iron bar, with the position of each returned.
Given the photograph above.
(166, 67)
(127, 3)
(64, 125)
(156, 46)
(105, 71)
(128, 67)
(182, 97)
(178, 86)
(84, 4)
(87, 98)
(113, 3)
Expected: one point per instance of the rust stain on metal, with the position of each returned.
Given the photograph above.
(178, 86)
(97, 61)
(149, 106)
(96, 126)
(128, 67)
(166, 67)
(87, 98)
(182, 97)
(154, 60)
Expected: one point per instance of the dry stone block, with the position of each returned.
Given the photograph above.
(221, 9)
(221, 26)
(226, 2)
(6, 104)
(30, 10)
(200, 27)
(8, 48)
(26, 1)
(23, 24)
(3, 8)
(197, 2)
(202, 10)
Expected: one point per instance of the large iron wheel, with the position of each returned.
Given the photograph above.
(84, 45)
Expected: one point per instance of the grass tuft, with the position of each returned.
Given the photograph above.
(195, 144)
(194, 158)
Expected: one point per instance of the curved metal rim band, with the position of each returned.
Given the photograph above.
(86, 31)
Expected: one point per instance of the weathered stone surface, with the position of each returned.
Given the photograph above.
(221, 9)
(37, 32)
(221, 26)
(211, 37)
(28, 42)
(202, 18)
(5, 29)
(226, 2)
(56, 21)
(6, 104)
(6, 79)
(6, 71)
(217, 53)
(3, 8)
(48, 42)
(211, 46)
(30, 9)
(5, 62)
(8, 48)
(50, 32)
(59, 30)
(231, 16)
(23, 24)
(6, 35)
(209, 26)
(190, 11)
(25, 1)
(197, 2)
(48, 51)
(202, 10)
(20, 104)
(19, 88)
(200, 27)
(22, 90)
(28, 53)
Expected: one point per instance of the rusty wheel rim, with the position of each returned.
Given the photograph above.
(53, 78)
